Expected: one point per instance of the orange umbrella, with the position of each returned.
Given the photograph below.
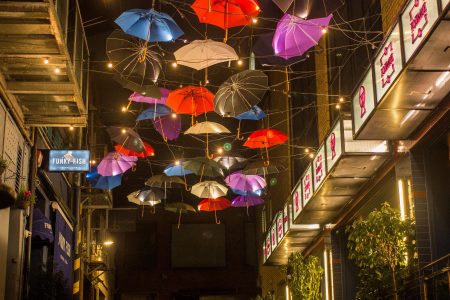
(191, 100)
(148, 151)
(209, 204)
(265, 138)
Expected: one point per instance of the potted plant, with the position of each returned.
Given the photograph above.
(25, 199)
(3, 166)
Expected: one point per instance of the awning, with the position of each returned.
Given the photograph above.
(409, 77)
(42, 226)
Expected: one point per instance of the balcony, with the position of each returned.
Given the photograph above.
(44, 62)
(409, 77)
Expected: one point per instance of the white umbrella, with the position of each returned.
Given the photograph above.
(209, 189)
(207, 128)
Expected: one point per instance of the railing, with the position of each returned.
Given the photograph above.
(71, 24)
(436, 279)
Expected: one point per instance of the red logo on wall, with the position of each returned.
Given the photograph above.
(418, 19)
(333, 145)
(362, 100)
(297, 202)
(319, 167)
(387, 64)
(307, 186)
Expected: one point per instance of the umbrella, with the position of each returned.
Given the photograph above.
(207, 128)
(255, 113)
(308, 9)
(209, 189)
(115, 163)
(179, 208)
(240, 93)
(242, 182)
(164, 181)
(260, 167)
(127, 137)
(264, 53)
(247, 201)
(191, 100)
(158, 110)
(136, 97)
(248, 193)
(226, 13)
(148, 151)
(147, 88)
(265, 138)
(149, 197)
(229, 161)
(149, 25)
(134, 59)
(294, 36)
(168, 126)
(209, 204)
(200, 54)
(176, 170)
(204, 166)
(103, 182)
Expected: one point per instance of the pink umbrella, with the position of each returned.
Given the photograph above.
(294, 36)
(242, 182)
(168, 126)
(115, 163)
(136, 97)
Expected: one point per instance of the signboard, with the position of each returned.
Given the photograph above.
(297, 201)
(445, 3)
(363, 101)
(268, 246)
(264, 252)
(273, 234)
(68, 160)
(417, 19)
(334, 146)
(286, 218)
(62, 257)
(307, 185)
(319, 169)
(280, 229)
(388, 63)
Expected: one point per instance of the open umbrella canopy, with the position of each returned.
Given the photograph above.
(242, 182)
(240, 92)
(169, 127)
(229, 161)
(294, 36)
(226, 13)
(148, 151)
(133, 58)
(307, 9)
(154, 111)
(246, 201)
(200, 54)
(209, 204)
(126, 137)
(164, 181)
(146, 88)
(191, 100)
(98, 181)
(150, 197)
(136, 97)
(209, 189)
(149, 25)
(259, 167)
(115, 163)
(255, 113)
(204, 167)
(207, 127)
(179, 207)
(248, 193)
(176, 170)
(265, 138)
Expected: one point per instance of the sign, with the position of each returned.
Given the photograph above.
(334, 146)
(68, 160)
(307, 185)
(297, 201)
(363, 101)
(319, 169)
(268, 247)
(63, 254)
(388, 63)
(286, 218)
(417, 19)
(280, 229)
(273, 233)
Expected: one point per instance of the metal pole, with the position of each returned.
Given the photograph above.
(78, 265)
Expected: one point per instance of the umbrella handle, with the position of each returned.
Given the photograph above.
(128, 105)
(153, 211)
(266, 163)
(142, 213)
(238, 134)
(133, 168)
(215, 217)
(246, 205)
(207, 149)
(185, 183)
(179, 219)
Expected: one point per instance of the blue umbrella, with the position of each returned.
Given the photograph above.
(255, 113)
(176, 170)
(149, 25)
(248, 193)
(103, 182)
(154, 111)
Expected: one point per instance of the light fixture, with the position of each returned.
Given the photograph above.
(177, 163)
(324, 30)
(174, 115)
(207, 81)
(185, 41)
(306, 150)
(240, 62)
(71, 128)
(180, 86)
(110, 65)
(174, 64)
(341, 99)
(93, 162)
(124, 130)
(108, 243)
(255, 20)
(338, 106)
(311, 155)
(57, 70)
(220, 150)
(46, 61)
(124, 108)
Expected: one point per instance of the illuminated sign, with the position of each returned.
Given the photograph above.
(334, 146)
(68, 160)
(297, 201)
(280, 230)
(319, 168)
(273, 234)
(286, 218)
(268, 247)
(417, 19)
(363, 101)
(307, 185)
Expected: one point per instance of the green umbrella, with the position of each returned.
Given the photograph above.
(164, 181)
(179, 208)
(204, 167)
(258, 167)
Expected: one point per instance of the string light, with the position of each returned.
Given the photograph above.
(174, 115)
(338, 106)
(306, 150)
(174, 64)
(177, 163)
(71, 128)
(220, 150)
(240, 62)
(57, 70)
(46, 61)
(124, 131)
(207, 81)
(324, 30)
(341, 99)
(311, 155)
(255, 20)
(124, 108)
(110, 65)
(93, 162)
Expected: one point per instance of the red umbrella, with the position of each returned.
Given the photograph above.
(191, 100)
(226, 13)
(147, 152)
(265, 138)
(209, 204)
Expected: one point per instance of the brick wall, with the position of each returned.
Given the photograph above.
(323, 108)
(390, 10)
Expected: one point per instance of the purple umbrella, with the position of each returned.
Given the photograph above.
(168, 126)
(115, 163)
(294, 36)
(239, 181)
(136, 97)
(247, 201)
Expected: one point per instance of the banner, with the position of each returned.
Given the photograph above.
(63, 254)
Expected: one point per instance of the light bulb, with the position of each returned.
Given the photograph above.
(174, 64)
(174, 115)
(46, 61)
(57, 70)
(177, 163)
(255, 20)
(324, 30)
(338, 106)
(110, 65)
(124, 108)
(239, 62)
(220, 150)
(311, 155)
(306, 150)
(124, 131)
(71, 127)
(341, 99)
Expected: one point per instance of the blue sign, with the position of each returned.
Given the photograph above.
(62, 257)
(68, 160)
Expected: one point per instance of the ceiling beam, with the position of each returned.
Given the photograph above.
(39, 29)
(53, 121)
(42, 88)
